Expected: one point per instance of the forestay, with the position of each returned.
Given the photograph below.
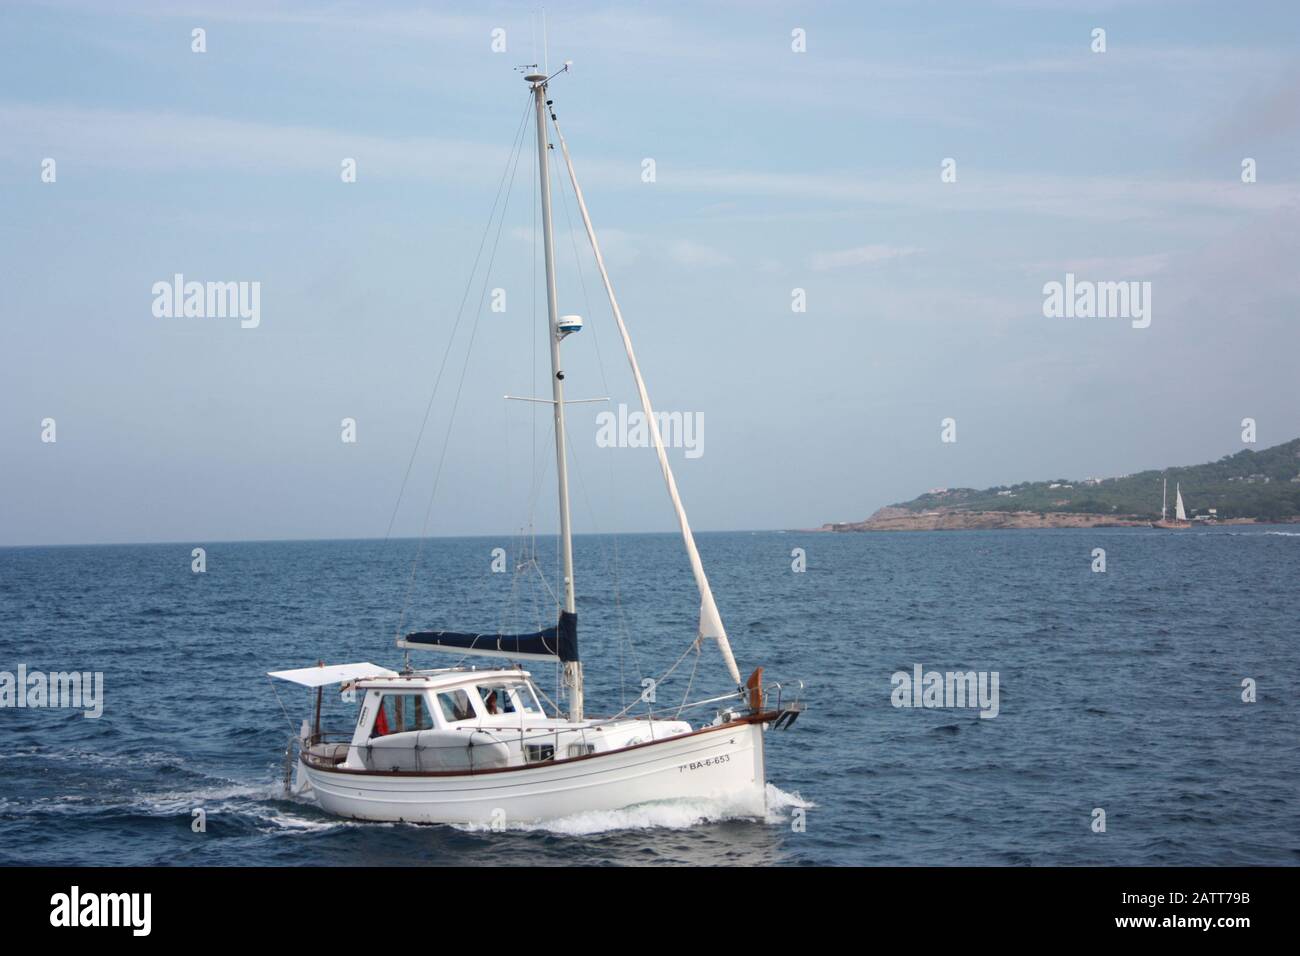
(710, 619)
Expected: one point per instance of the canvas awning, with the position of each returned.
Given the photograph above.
(331, 674)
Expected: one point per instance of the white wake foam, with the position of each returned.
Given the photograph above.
(265, 805)
(667, 814)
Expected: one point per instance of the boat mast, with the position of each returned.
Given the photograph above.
(1164, 499)
(572, 669)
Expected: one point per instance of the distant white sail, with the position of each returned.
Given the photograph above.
(1179, 513)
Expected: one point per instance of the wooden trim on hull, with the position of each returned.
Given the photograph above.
(321, 767)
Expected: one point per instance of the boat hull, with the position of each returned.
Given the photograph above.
(723, 763)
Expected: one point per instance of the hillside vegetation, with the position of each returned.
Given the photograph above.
(1263, 485)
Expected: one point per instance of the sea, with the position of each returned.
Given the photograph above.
(1146, 713)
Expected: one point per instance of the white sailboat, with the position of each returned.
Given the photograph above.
(1180, 513)
(467, 745)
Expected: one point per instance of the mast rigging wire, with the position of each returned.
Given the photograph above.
(455, 327)
(512, 167)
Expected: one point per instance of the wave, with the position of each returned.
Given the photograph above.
(1248, 534)
(664, 814)
(264, 807)
(234, 807)
(128, 760)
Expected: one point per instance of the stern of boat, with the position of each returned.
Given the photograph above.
(319, 747)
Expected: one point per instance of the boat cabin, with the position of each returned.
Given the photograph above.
(459, 720)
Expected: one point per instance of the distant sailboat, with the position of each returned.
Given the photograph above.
(1180, 514)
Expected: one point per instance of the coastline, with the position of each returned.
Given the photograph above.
(901, 519)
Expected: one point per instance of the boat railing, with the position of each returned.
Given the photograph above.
(526, 736)
(774, 700)
(779, 689)
(294, 739)
(787, 712)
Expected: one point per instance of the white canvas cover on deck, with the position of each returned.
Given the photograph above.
(333, 674)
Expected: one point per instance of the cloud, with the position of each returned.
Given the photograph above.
(163, 140)
(624, 247)
(688, 252)
(1259, 116)
(1107, 267)
(148, 141)
(859, 256)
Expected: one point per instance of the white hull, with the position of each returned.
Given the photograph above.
(723, 763)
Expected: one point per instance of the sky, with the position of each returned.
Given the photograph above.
(795, 146)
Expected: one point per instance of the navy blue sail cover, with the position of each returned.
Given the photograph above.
(559, 642)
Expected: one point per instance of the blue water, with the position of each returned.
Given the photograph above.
(1119, 690)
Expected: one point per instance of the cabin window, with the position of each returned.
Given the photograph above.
(399, 713)
(537, 753)
(455, 706)
(496, 699)
(525, 700)
(499, 699)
